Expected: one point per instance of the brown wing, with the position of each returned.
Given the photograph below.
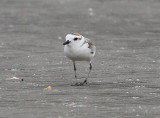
(91, 46)
(89, 43)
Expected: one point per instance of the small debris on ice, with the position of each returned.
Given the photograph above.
(48, 88)
(12, 78)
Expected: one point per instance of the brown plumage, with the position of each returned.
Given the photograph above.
(77, 34)
(89, 43)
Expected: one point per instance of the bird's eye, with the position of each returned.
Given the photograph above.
(75, 39)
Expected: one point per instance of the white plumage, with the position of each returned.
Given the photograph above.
(79, 48)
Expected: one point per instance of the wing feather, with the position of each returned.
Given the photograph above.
(90, 45)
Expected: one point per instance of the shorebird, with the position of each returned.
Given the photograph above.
(79, 48)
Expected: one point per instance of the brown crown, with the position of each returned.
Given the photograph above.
(77, 34)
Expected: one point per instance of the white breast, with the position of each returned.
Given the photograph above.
(79, 53)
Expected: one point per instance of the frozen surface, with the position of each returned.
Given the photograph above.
(125, 81)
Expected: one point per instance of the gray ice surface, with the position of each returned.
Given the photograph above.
(125, 81)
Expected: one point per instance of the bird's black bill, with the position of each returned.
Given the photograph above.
(67, 42)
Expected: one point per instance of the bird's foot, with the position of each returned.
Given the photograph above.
(80, 83)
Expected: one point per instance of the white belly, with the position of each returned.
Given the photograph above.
(80, 54)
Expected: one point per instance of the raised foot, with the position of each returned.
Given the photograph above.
(80, 83)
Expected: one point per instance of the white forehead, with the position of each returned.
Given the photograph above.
(71, 36)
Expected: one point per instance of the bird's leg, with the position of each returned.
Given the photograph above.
(90, 68)
(85, 81)
(75, 73)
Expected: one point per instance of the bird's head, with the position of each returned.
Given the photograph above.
(73, 39)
